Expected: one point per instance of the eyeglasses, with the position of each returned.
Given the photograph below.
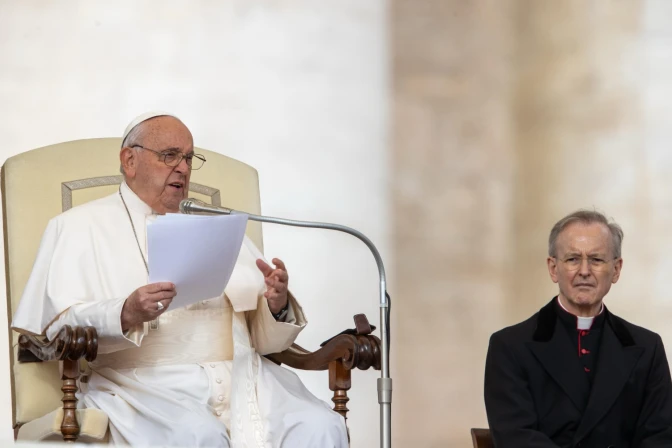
(595, 263)
(173, 158)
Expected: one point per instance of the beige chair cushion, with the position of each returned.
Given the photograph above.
(39, 184)
(37, 389)
(92, 427)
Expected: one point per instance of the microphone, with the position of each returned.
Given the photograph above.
(195, 206)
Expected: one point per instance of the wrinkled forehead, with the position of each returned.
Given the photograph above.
(167, 133)
(582, 238)
(144, 117)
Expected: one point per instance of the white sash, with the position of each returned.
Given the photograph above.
(183, 337)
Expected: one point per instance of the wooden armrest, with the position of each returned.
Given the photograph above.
(351, 349)
(354, 351)
(481, 438)
(69, 345)
(355, 348)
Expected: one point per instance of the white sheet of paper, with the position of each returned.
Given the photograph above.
(196, 253)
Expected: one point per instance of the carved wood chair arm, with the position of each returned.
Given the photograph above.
(70, 343)
(355, 348)
(299, 358)
(354, 351)
(351, 349)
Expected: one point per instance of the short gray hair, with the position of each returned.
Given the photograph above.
(586, 217)
(133, 138)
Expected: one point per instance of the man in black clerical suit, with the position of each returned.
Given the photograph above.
(575, 375)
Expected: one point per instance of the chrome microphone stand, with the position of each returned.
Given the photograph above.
(191, 206)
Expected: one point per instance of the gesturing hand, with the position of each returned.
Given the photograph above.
(143, 304)
(276, 284)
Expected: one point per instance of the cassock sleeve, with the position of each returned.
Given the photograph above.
(508, 401)
(654, 427)
(245, 291)
(269, 335)
(63, 289)
(105, 317)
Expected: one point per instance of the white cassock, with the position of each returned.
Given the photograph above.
(197, 380)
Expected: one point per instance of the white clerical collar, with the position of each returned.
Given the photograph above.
(582, 323)
(134, 202)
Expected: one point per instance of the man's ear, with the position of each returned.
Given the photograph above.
(129, 161)
(552, 264)
(618, 265)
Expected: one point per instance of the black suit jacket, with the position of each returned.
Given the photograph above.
(537, 393)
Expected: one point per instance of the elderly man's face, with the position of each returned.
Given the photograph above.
(584, 267)
(161, 186)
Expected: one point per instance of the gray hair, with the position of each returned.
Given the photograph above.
(133, 138)
(586, 217)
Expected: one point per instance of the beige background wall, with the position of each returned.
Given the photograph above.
(453, 198)
(508, 115)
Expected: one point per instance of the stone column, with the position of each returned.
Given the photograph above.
(453, 208)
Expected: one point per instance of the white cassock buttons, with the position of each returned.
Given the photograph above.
(219, 380)
(221, 398)
(212, 365)
(219, 413)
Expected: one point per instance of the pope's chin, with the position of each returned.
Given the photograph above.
(175, 194)
(172, 205)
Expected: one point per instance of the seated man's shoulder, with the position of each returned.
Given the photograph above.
(81, 215)
(641, 336)
(520, 332)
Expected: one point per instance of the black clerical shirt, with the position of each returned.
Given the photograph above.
(586, 336)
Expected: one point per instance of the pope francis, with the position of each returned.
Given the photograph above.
(155, 378)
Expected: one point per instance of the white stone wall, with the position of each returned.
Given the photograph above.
(295, 88)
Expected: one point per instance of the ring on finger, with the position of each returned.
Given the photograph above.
(159, 306)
